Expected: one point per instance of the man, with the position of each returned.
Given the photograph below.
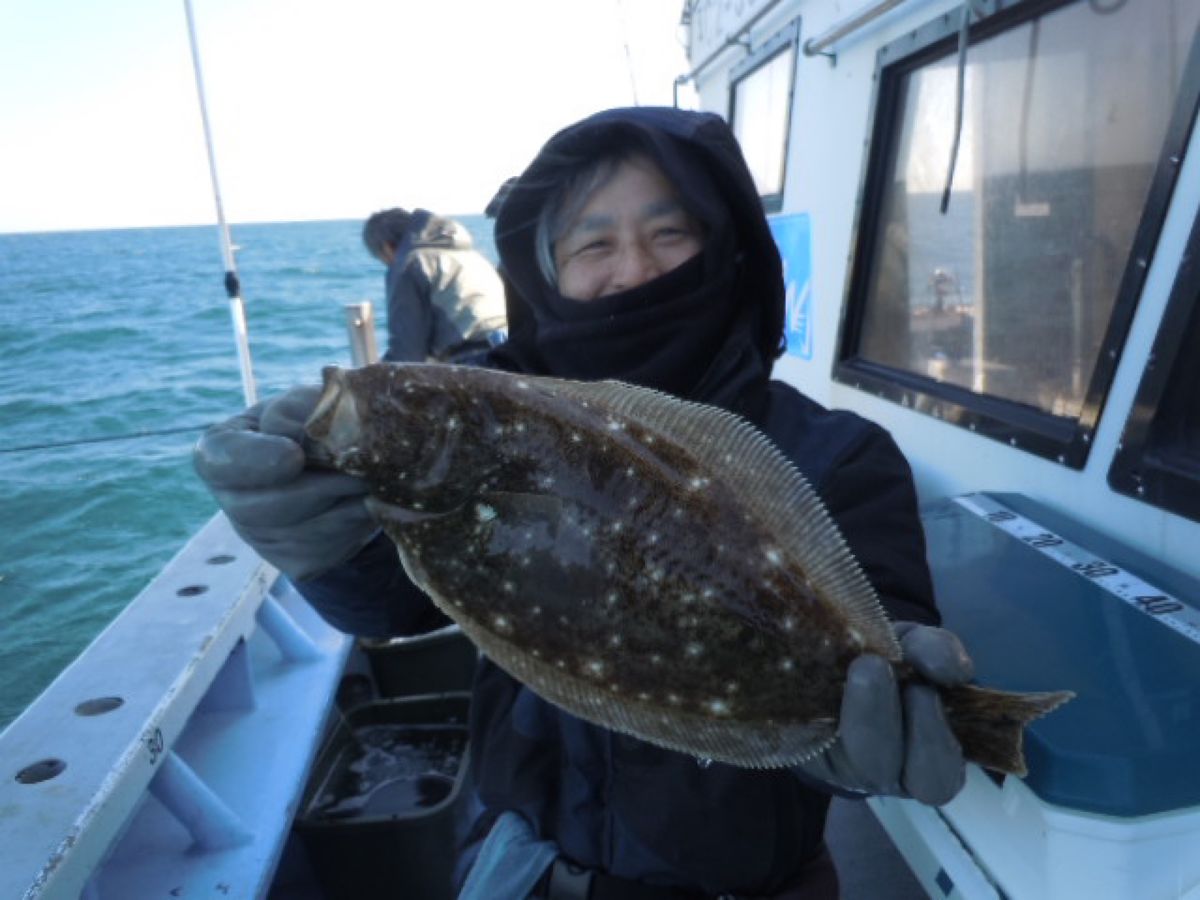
(635, 248)
(445, 301)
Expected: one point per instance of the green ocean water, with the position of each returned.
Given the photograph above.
(106, 334)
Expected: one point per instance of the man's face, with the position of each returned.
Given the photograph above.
(630, 231)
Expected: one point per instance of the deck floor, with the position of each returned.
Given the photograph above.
(869, 866)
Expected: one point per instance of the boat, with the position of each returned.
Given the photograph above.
(989, 213)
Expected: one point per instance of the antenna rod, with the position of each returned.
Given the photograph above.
(233, 288)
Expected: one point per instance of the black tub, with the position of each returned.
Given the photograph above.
(440, 661)
(378, 815)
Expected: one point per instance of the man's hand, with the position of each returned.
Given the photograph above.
(301, 521)
(894, 739)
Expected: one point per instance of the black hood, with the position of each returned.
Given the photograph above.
(735, 292)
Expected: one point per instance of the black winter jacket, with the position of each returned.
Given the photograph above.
(609, 801)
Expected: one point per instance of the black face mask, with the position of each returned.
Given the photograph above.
(662, 334)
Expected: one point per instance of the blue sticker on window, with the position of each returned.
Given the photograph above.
(793, 234)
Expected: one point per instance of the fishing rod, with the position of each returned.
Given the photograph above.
(237, 309)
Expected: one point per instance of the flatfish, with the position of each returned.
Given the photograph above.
(652, 565)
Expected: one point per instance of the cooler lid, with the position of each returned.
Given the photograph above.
(1046, 603)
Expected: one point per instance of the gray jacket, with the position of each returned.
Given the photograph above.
(444, 298)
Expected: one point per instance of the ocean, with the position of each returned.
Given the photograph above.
(109, 335)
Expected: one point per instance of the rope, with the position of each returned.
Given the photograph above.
(980, 10)
(133, 435)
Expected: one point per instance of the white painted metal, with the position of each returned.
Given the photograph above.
(360, 326)
(198, 679)
(990, 841)
(828, 141)
(1042, 852)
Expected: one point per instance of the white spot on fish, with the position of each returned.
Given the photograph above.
(689, 622)
(537, 610)
(562, 663)
(522, 384)
(546, 482)
(615, 640)
(698, 482)
(615, 527)
(501, 623)
(674, 699)
(508, 587)
(629, 471)
(614, 425)
(576, 437)
(789, 623)
(773, 556)
(787, 665)
(642, 695)
(718, 707)
(536, 653)
(614, 687)
(612, 598)
(452, 423)
(656, 574)
(594, 667)
(694, 649)
(732, 687)
(652, 537)
(855, 638)
(484, 513)
(520, 426)
(648, 438)
(656, 659)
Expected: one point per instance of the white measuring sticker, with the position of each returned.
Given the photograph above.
(1143, 597)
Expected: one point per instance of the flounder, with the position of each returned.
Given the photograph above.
(648, 564)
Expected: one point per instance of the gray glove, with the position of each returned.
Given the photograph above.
(893, 739)
(301, 521)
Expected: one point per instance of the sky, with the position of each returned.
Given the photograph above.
(319, 109)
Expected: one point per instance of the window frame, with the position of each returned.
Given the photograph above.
(787, 37)
(1138, 469)
(1065, 440)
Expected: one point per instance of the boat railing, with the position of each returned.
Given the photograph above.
(170, 755)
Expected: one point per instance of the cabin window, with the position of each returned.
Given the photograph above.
(1005, 311)
(1159, 456)
(760, 105)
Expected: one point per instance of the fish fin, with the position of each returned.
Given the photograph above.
(390, 514)
(990, 723)
(742, 457)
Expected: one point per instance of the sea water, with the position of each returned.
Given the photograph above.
(108, 335)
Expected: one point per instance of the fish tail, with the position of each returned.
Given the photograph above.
(990, 724)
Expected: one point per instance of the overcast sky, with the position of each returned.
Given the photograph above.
(319, 108)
